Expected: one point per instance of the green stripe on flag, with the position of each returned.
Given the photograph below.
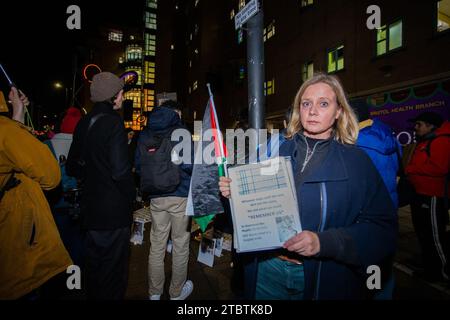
(203, 221)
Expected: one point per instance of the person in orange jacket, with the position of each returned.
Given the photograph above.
(31, 250)
(428, 172)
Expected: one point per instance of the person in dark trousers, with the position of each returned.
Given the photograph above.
(428, 172)
(100, 143)
(132, 145)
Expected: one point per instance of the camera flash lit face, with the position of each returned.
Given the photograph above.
(318, 111)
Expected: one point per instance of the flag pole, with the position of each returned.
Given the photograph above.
(222, 165)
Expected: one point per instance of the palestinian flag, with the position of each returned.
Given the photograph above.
(204, 195)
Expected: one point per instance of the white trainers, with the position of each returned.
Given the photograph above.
(155, 297)
(186, 291)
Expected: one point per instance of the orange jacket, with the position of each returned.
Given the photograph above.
(26, 260)
(428, 170)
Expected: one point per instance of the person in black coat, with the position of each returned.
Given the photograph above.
(100, 142)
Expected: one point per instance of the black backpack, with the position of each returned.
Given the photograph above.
(159, 175)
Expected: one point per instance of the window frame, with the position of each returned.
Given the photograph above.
(305, 67)
(387, 27)
(435, 23)
(336, 48)
(303, 5)
(271, 87)
(269, 31)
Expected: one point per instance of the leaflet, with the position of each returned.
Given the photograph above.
(263, 204)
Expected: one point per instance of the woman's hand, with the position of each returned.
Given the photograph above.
(306, 243)
(19, 101)
(224, 186)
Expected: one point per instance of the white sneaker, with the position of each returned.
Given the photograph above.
(186, 291)
(155, 297)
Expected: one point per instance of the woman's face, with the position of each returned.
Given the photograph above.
(318, 111)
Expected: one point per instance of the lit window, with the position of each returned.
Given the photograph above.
(115, 36)
(131, 37)
(389, 37)
(135, 124)
(232, 14)
(150, 20)
(149, 98)
(336, 59)
(269, 31)
(190, 63)
(135, 96)
(308, 71)
(172, 47)
(196, 51)
(443, 15)
(133, 52)
(152, 4)
(241, 4)
(150, 44)
(306, 2)
(194, 86)
(149, 72)
(269, 87)
(121, 60)
(196, 2)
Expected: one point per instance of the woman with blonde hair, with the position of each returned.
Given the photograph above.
(345, 210)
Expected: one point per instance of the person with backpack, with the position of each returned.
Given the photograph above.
(428, 172)
(99, 156)
(167, 186)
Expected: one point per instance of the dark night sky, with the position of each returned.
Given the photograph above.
(36, 45)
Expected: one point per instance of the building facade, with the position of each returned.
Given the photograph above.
(405, 58)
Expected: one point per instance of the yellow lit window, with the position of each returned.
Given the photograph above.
(389, 37)
(269, 87)
(335, 59)
(443, 15)
(307, 2)
(269, 31)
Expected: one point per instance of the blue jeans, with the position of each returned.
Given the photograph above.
(279, 280)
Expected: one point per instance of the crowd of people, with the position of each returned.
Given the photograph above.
(345, 167)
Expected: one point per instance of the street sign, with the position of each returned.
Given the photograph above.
(246, 13)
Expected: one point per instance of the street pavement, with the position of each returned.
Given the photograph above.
(215, 283)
